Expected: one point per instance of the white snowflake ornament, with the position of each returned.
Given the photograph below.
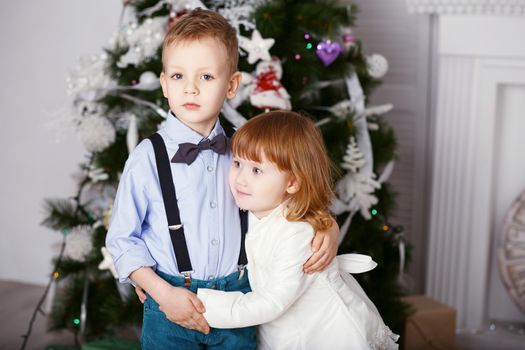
(107, 263)
(357, 192)
(88, 80)
(96, 174)
(143, 40)
(256, 47)
(237, 12)
(342, 109)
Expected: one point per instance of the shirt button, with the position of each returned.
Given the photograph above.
(214, 242)
(209, 168)
(213, 204)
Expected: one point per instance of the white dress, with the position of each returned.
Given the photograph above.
(326, 310)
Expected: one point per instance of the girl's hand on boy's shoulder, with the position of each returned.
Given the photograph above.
(324, 247)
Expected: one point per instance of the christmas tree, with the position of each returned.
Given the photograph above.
(294, 54)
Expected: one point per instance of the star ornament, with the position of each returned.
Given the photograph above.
(256, 47)
(107, 263)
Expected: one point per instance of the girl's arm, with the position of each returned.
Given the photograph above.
(270, 298)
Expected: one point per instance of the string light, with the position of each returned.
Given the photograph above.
(373, 212)
(386, 228)
(55, 275)
(309, 46)
(38, 307)
(76, 321)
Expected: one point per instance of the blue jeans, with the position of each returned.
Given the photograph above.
(158, 333)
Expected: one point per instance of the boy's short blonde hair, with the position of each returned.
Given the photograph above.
(199, 24)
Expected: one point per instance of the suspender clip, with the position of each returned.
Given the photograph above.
(241, 269)
(187, 279)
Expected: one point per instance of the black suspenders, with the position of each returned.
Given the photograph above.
(169, 196)
(170, 204)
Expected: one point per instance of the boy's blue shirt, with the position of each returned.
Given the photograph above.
(138, 234)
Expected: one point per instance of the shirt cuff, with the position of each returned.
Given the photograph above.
(125, 265)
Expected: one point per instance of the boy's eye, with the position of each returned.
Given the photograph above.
(207, 77)
(256, 171)
(177, 76)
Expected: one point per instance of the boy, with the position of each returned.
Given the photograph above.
(171, 255)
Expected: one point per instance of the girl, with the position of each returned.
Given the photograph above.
(280, 173)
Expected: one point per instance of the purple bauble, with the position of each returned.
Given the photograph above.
(328, 51)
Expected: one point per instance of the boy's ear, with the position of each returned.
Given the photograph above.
(162, 79)
(293, 185)
(233, 85)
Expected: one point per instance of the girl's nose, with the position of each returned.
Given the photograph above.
(240, 178)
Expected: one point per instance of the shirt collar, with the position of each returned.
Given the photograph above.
(280, 210)
(179, 132)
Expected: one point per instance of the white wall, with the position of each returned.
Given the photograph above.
(477, 151)
(39, 42)
(386, 27)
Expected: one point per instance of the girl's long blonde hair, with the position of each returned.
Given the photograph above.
(295, 145)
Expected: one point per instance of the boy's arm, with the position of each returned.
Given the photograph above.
(129, 251)
(178, 304)
(324, 246)
(124, 238)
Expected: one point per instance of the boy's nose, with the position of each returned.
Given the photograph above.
(191, 89)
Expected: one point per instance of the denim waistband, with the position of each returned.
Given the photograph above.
(227, 283)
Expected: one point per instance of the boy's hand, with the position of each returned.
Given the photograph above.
(324, 246)
(183, 308)
(178, 304)
(140, 293)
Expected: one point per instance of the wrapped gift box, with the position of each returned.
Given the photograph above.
(431, 327)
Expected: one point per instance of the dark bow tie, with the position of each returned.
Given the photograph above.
(188, 152)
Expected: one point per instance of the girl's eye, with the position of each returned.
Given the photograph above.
(177, 76)
(256, 171)
(236, 164)
(207, 77)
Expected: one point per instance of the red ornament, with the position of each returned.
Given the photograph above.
(268, 81)
(267, 91)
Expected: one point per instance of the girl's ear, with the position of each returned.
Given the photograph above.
(293, 185)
